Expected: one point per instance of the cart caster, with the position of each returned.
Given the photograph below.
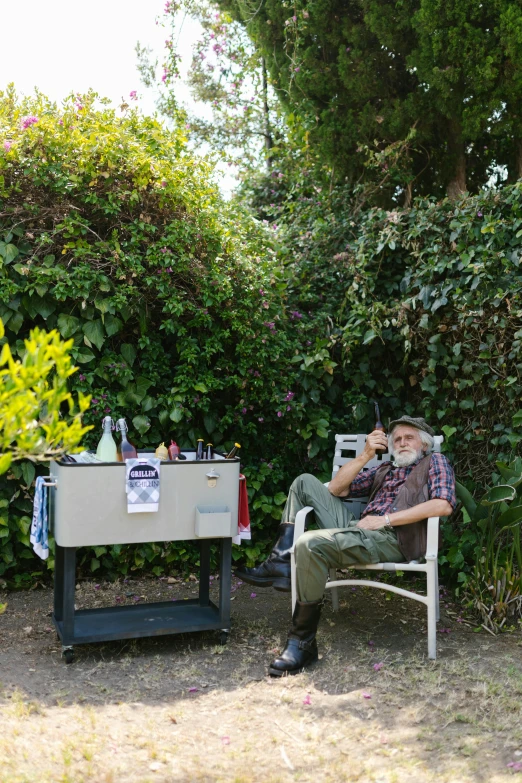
(68, 654)
(223, 638)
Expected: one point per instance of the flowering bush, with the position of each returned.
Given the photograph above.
(113, 234)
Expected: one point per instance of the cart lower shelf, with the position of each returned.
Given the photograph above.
(111, 623)
(134, 622)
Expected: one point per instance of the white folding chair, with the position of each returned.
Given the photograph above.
(355, 445)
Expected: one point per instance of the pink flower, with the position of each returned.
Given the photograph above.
(289, 395)
(7, 145)
(288, 407)
(261, 419)
(307, 699)
(378, 666)
(297, 69)
(253, 595)
(294, 18)
(28, 121)
(279, 414)
(366, 695)
(243, 410)
(225, 740)
(193, 690)
(164, 250)
(133, 95)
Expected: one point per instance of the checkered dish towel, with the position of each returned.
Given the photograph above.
(142, 482)
(39, 536)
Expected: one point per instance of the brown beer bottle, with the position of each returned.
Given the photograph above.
(379, 426)
(210, 451)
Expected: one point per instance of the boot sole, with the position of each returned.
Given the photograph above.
(278, 583)
(278, 673)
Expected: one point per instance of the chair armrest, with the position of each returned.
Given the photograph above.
(432, 545)
(300, 522)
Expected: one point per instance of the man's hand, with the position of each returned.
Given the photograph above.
(375, 440)
(371, 523)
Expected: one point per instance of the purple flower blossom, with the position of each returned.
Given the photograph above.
(261, 291)
(107, 410)
(479, 214)
(307, 699)
(297, 69)
(261, 419)
(7, 145)
(81, 377)
(366, 695)
(164, 250)
(295, 315)
(95, 401)
(279, 414)
(28, 121)
(289, 396)
(288, 407)
(253, 595)
(133, 95)
(270, 324)
(243, 410)
(378, 666)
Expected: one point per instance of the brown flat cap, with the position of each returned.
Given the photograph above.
(419, 423)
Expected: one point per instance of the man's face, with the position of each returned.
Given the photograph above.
(407, 445)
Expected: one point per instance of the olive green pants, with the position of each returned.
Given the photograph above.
(339, 544)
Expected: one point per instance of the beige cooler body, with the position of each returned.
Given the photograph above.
(89, 503)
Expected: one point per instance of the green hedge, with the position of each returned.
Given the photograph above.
(112, 232)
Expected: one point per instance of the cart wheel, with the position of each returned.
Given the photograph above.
(68, 655)
(223, 638)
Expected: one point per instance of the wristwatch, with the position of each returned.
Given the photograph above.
(387, 520)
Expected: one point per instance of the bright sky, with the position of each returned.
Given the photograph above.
(61, 46)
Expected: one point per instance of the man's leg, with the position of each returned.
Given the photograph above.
(329, 511)
(316, 552)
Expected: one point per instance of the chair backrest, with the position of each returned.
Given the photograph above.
(347, 447)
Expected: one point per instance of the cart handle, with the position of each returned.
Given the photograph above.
(52, 483)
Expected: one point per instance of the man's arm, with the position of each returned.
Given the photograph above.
(341, 482)
(437, 507)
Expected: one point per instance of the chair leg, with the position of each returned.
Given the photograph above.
(334, 592)
(431, 578)
(437, 591)
(293, 580)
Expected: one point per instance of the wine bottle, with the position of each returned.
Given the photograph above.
(379, 426)
(126, 450)
(106, 451)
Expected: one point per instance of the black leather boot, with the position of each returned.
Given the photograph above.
(301, 647)
(275, 571)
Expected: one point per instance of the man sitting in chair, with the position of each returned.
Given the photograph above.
(392, 529)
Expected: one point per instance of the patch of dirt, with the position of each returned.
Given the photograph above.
(184, 708)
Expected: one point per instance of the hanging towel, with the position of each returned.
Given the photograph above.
(243, 532)
(142, 482)
(39, 536)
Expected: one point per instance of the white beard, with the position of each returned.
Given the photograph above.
(406, 459)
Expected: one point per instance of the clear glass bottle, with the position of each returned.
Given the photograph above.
(106, 451)
(125, 449)
(233, 451)
(199, 448)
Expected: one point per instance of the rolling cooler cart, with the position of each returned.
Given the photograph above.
(88, 507)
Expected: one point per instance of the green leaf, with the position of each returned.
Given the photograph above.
(68, 325)
(448, 431)
(517, 419)
(128, 352)
(112, 325)
(210, 423)
(5, 462)
(82, 355)
(176, 414)
(93, 330)
(280, 498)
(15, 322)
(369, 336)
(9, 253)
(164, 418)
(500, 494)
(200, 387)
(141, 423)
(28, 472)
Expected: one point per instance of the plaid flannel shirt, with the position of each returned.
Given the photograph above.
(441, 484)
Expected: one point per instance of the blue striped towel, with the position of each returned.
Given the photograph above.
(40, 525)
